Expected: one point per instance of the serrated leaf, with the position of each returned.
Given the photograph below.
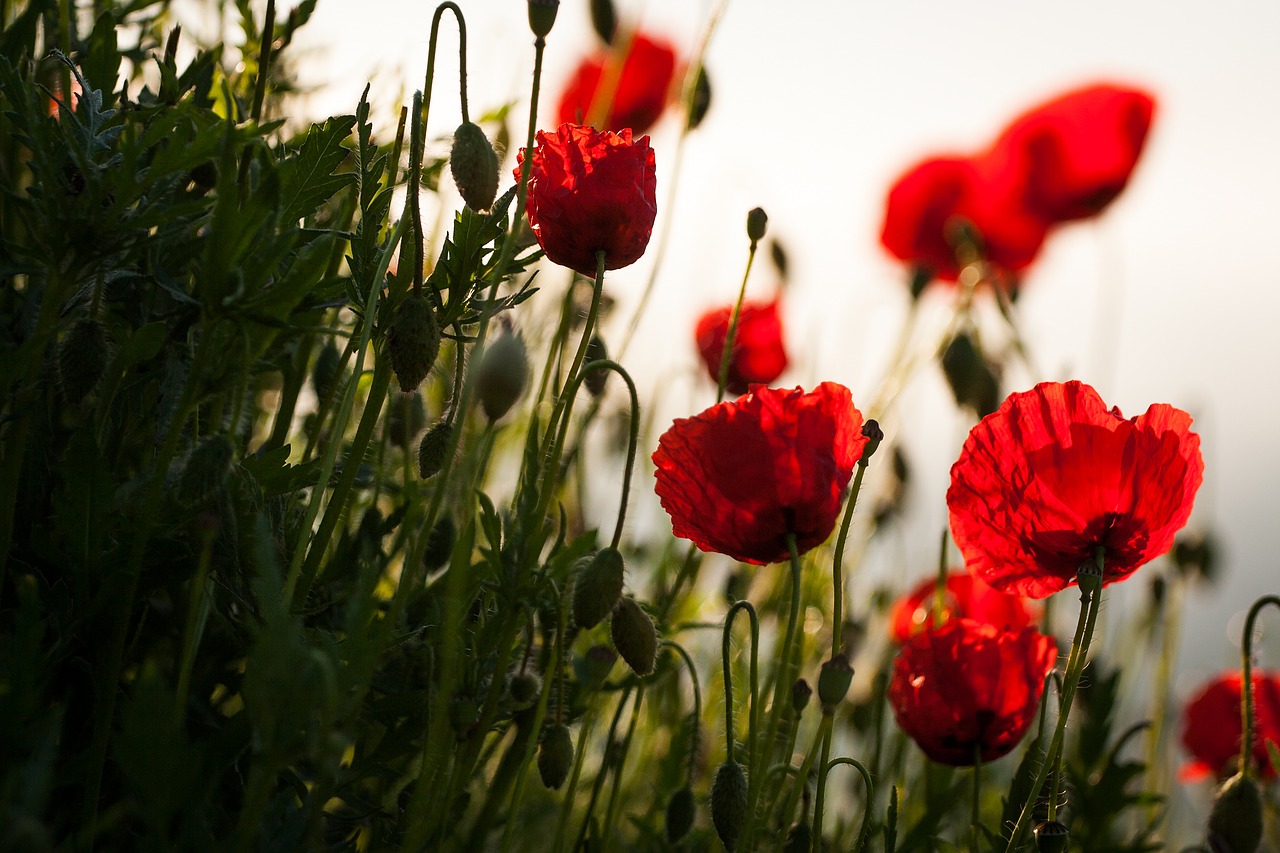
(309, 178)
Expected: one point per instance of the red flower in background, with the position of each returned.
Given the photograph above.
(969, 688)
(1081, 148)
(1053, 474)
(758, 356)
(931, 201)
(589, 192)
(741, 476)
(641, 92)
(966, 597)
(1211, 728)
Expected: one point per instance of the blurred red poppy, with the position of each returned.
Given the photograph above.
(966, 597)
(1081, 148)
(969, 688)
(1054, 474)
(931, 202)
(591, 191)
(1211, 728)
(741, 476)
(758, 355)
(639, 95)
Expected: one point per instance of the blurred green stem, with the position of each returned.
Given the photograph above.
(1247, 709)
(726, 353)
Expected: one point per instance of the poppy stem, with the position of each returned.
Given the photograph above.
(865, 830)
(727, 352)
(828, 717)
(975, 814)
(728, 681)
(1246, 685)
(697, 705)
(837, 562)
(1089, 580)
(462, 57)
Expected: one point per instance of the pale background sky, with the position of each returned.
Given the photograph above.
(1172, 296)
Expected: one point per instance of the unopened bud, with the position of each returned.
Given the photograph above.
(757, 224)
(634, 636)
(324, 375)
(833, 681)
(801, 693)
(413, 341)
(1051, 837)
(433, 450)
(701, 100)
(474, 165)
(729, 802)
(874, 435)
(594, 666)
(440, 542)
(502, 374)
(604, 20)
(523, 687)
(1235, 823)
(681, 810)
(81, 358)
(597, 587)
(595, 379)
(555, 755)
(542, 16)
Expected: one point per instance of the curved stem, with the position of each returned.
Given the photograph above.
(1246, 686)
(728, 680)
(462, 57)
(837, 561)
(866, 812)
(697, 699)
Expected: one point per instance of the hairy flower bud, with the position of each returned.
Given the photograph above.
(634, 636)
(729, 802)
(440, 542)
(413, 341)
(555, 755)
(523, 687)
(595, 379)
(1235, 823)
(833, 681)
(502, 374)
(597, 587)
(81, 358)
(324, 375)
(681, 811)
(474, 165)
(434, 449)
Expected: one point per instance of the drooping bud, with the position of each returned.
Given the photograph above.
(597, 587)
(595, 379)
(594, 666)
(206, 471)
(729, 802)
(1235, 823)
(474, 165)
(81, 358)
(413, 341)
(324, 375)
(634, 636)
(974, 380)
(681, 810)
(523, 687)
(555, 755)
(542, 16)
(440, 542)
(757, 224)
(833, 682)
(502, 374)
(801, 692)
(434, 449)
(1051, 837)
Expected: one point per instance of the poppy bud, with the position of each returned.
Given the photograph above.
(555, 754)
(729, 802)
(874, 435)
(433, 449)
(413, 341)
(440, 543)
(974, 381)
(542, 16)
(1235, 824)
(597, 587)
(701, 100)
(833, 682)
(523, 687)
(595, 379)
(207, 469)
(1051, 837)
(502, 374)
(757, 224)
(81, 358)
(604, 20)
(799, 838)
(594, 666)
(464, 712)
(681, 810)
(474, 165)
(634, 636)
(324, 375)
(801, 693)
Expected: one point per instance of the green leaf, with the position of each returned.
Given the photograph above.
(308, 179)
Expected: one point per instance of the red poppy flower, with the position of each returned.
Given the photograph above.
(966, 597)
(969, 688)
(741, 476)
(1053, 474)
(591, 191)
(1211, 728)
(928, 204)
(641, 92)
(1081, 148)
(758, 356)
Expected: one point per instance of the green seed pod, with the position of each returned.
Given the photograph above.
(474, 165)
(634, 636)
(324, 374)
(555, 755)
(81, 358)
(729, 802)
(833, 682)
(502, 374)
(1235, 823)
(542, 16)
(595, 379)
(597, 587)
(681, 811)
(413, 341)
(757, 224)
(434, 449)
(1051, 837)
(801, 692)
(206, 471)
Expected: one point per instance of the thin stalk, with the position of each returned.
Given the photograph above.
(611, 807)
(870, 787)
(604, 771)
(1247, 709)
(726, 353)
(837, 561)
